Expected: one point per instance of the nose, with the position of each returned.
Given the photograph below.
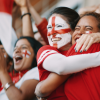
(81, 31)
(17, 50)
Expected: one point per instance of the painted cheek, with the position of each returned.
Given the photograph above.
(26, 53)
(88, 32)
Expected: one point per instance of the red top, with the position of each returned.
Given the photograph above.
(6, 6)
(15, 78)
(43, 53)
(84, 85)
(42, 27)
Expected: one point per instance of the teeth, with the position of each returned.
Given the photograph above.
(18, 56)
(56, 39)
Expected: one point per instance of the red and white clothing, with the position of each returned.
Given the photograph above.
(7, 34)
(42, 54)
(84, 85)
(31, 74)
(42, 27)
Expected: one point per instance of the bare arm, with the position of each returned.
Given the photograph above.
(37, 18)
(26, 20)
(41, 23)
(47, 86)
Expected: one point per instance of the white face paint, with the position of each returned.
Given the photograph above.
(26, 53)
(61, 38)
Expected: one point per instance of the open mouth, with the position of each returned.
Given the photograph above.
(55, 39)
(18, 58)
(76, 38)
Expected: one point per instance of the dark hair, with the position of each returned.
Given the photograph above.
(35, 45)
(71, 15)
(94, 14)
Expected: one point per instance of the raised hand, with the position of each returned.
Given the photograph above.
(86, 40)
(3, 65)
(21, 3)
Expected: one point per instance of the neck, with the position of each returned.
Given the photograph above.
(66, 47)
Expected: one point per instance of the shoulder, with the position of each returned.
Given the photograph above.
(44, 52)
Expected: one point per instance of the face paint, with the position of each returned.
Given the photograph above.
(26, 53)
(58, 32)
(88, 32)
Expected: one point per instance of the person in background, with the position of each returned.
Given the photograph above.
(24, 58)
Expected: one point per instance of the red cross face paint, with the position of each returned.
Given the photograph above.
(88, 32)
(26, 53)
(58, 32)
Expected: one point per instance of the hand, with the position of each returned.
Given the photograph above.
(88, 9)
(86, 40)
(21, 3)
(3, 63)
(98, 9)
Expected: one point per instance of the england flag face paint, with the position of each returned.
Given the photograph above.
(26, 53)
(88, 32)
(58, 32)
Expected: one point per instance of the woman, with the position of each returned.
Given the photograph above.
(87, 85)
(49, 58)
(24, 57)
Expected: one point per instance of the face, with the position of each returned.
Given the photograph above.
(87, 24)
(58, 31)
(23, 55)
(39, 38)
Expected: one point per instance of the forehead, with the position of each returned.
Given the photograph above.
(23, 42)
(58, 19)
(88, 20)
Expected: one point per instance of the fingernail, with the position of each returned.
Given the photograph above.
(85, 50)
(75, 50)
(80, 51)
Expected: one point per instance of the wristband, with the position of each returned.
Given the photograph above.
(25, 14)
(8, 85)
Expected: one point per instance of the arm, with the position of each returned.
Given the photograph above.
(26, 21)
(41, 23)
(18, 94)
(47, 86)
(63, 65)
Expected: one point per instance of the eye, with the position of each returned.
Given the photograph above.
(24, 47)
(77, 28)
(59, 26)
(88, 29)
(49, 27)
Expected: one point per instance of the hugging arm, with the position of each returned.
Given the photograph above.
(63, 65)
(47, 86)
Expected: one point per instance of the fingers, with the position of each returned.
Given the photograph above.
(85, 45)
(80, 42)
(89, 44)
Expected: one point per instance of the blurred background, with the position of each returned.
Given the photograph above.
(44, 7)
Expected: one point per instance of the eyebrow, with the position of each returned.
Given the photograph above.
(89, 26)
(22, 45)
(77, 26)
